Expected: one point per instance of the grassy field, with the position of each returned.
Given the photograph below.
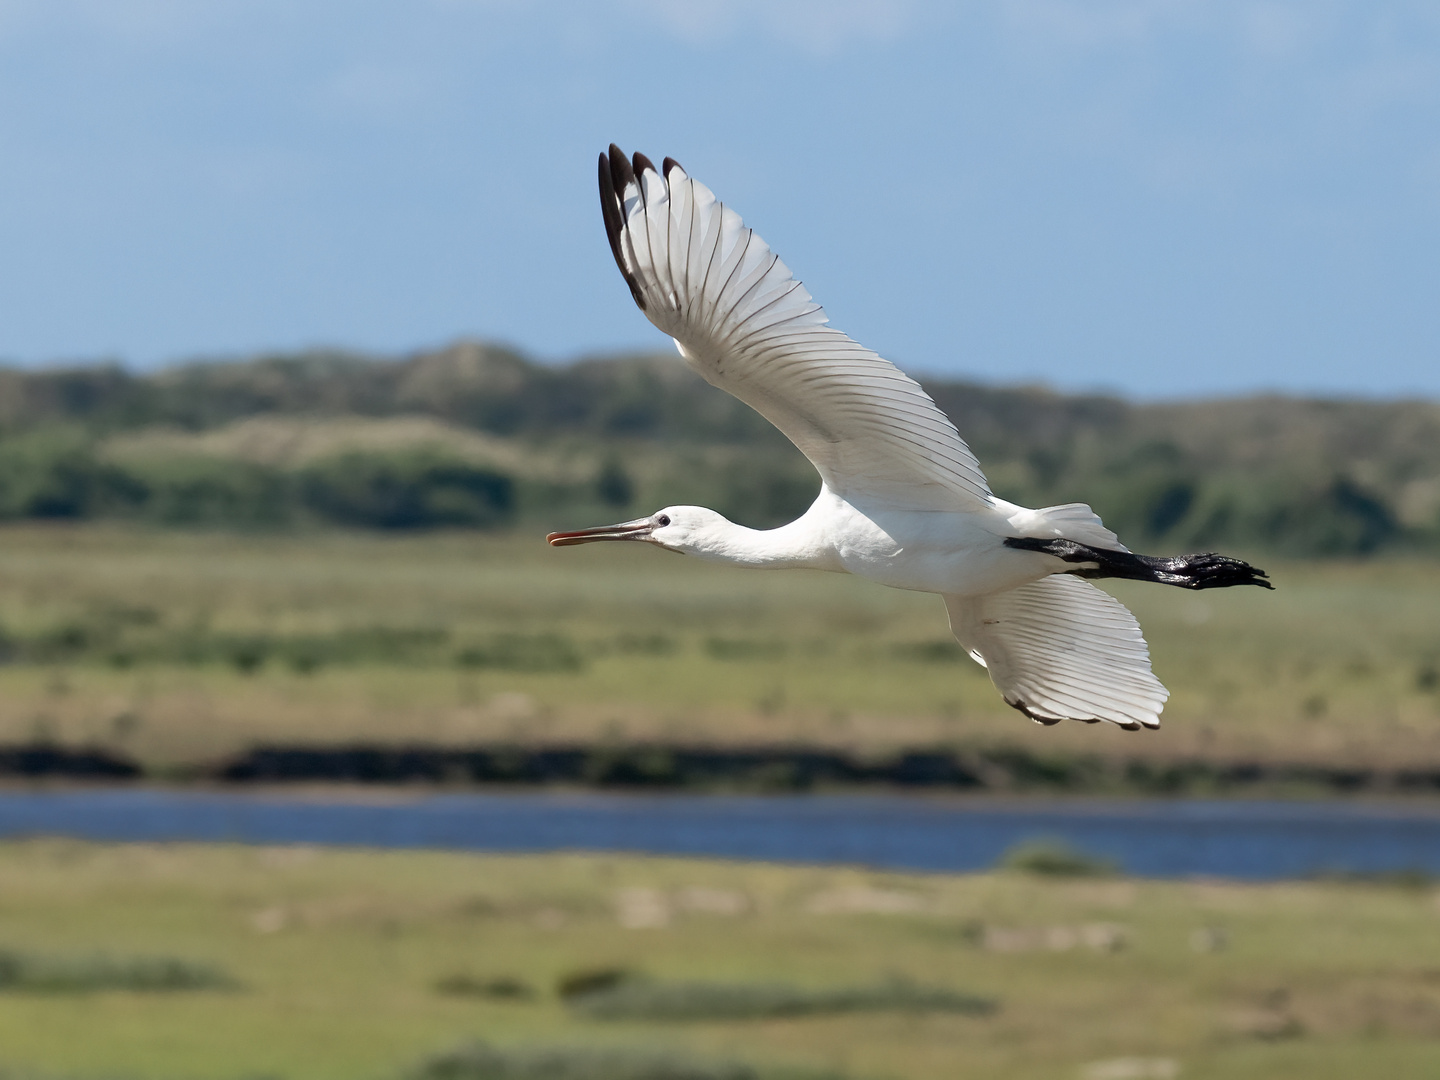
(341, 962)
(186, 647)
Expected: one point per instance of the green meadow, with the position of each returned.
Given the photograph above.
(325, 964)
(182, 648)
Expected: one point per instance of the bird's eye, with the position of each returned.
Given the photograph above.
(662, 520)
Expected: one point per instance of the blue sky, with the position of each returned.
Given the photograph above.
(1162, 197)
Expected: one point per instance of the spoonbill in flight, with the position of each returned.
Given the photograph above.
(902, 501)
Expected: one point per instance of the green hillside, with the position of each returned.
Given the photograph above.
(480, 436)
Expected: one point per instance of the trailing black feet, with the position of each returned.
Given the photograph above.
(1203, 571)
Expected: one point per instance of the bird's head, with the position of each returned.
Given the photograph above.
(689, 529)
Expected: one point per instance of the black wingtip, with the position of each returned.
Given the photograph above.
(642, 163)
(620, 171)
(1048, 721)
(670, 163)
(1051, 721)
(610, 205)
(611, 178)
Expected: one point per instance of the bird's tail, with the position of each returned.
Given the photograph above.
(1061, 649)
(1070, 521)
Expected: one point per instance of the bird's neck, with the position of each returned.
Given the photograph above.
(791, 546)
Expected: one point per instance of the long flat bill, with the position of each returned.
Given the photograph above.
(639, 529)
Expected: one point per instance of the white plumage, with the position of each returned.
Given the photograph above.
(746, 325)
(1063, 649)
(903, 501)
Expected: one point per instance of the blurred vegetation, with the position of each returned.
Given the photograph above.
(639, 997)
(180, 649)
(476, 435)
(340, 951)
(503, 987)
(480, 1061)
(22, 972)
(1055, 858)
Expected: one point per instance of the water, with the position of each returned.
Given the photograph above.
(1240, 839)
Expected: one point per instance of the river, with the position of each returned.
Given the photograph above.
(1254, 840)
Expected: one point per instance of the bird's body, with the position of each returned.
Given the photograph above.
(952, 552)
(903, 501)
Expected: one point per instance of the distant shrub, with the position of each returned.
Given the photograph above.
(613, 485)
(743, 649)
(29, 973)
(416, 489)
(646, 644)
(214, 492)
(479, 1061)
(1314, 516)
(1413, 877)
(637, 998)
(360, 644)
(523, 652)
(1055, 858)
(763, 491)
(65, 641)
(55, 474)
(125, 640)
(928, 652)
(578, 984)
(247, 654)
(504, 987)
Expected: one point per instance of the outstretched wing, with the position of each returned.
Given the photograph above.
(747, 326)
(1061, 649)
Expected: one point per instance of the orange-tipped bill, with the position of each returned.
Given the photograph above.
(639, 529)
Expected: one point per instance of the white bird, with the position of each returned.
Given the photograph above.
(902, 501)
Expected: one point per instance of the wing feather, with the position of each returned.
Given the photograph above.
(742, 320)
(1061, 649)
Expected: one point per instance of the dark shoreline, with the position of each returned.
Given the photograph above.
(757, 769)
